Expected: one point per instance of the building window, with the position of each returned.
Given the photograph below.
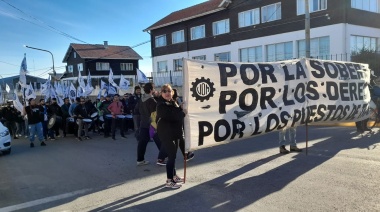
(314, 5)
(221, 27)
(178, 65)
(202, 57)
(70, 68)
(80, 67)
(252, 54)
(279, 51)
(102, 66)
(271, 12)
(358, 43)
(75, 55)
(367, 5)
(319, 48)
(197, 32)
(249, 18)
(225, 57)
(162, 66)
(126, 66)
(160, 40)
(178, 37)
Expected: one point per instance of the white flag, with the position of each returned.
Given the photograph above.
(103, 85)
(72, 92)
(99, 94)
(141, 78)
(112, 90)
(88, 89)
(7, 88)
(17, 104)
(79, 91)
(81, 80)
(110, 79)
(124, 84)
(29, 92)
(45, 88)
(23, 71)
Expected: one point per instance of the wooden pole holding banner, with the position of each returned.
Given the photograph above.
(307, 53)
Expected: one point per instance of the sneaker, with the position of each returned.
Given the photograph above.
(26, 136)
(161, 162)
(79, 139)
(295, 149)
(31, 145)
(172, 184)
(142, 163)
(283, 150)
(178, 179)
(43, 143)
(52, 139)
(87, 137)
(58, 136)
(189, 156)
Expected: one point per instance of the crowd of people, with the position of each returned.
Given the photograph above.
(153, 116)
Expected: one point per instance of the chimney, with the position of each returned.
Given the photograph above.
(105, 44)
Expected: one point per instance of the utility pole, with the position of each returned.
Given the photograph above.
(307, 29)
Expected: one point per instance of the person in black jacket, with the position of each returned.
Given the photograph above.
(34, 114)
(56, 110)
(10, 115)
(170, 131)
(132, 102)
(80, 113)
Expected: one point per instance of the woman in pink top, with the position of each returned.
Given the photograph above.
(116, 108)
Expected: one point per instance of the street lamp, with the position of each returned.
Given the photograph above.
(52, 57)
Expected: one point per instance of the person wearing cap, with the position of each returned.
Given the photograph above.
(9, 113)
(103, 107)
(116, 108)
(35, 117)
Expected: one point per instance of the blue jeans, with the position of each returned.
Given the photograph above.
(291, 138)
(33, 129)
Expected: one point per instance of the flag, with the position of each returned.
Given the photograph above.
(72, 92)
(29, 92)
(141, 78)
(79, 91)
(7, 88)
(45, 88)
(17, 104)
(112, 90)
(23, 71)
(124, 84)
(110, 79)
(88, 89)
(103, 85)
(99, 94)
(54, 94)
(59, 90)
(81, 80)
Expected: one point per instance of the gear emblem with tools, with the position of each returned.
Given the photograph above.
(202, 89)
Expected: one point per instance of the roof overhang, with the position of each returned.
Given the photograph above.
(186, 19)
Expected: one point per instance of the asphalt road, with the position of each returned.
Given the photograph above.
(340, 173)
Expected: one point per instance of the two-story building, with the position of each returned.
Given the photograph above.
(261, 31)
(97, 60)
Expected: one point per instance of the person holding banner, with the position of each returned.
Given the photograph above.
(170, 117)
(33, 113)
(291, 139)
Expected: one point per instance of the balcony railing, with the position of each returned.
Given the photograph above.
(175, 78)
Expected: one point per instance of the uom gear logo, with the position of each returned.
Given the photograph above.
(202, 89)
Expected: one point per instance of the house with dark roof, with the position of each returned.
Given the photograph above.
(261, 31)
(99, 59)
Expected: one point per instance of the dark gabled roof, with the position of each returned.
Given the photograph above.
(99, 51)
(205, 8)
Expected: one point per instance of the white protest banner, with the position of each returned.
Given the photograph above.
(228, 101)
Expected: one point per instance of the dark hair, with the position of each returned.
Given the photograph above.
(42, 100)
(64, 99)
(148, 87)
(30, 99)
(175, 93)
(116, 95)
(77, 99)
(137, 87)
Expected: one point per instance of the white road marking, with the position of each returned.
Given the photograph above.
(43, 201)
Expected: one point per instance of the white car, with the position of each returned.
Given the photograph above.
(5, 140)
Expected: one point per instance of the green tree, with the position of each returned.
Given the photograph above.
(368, 56)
